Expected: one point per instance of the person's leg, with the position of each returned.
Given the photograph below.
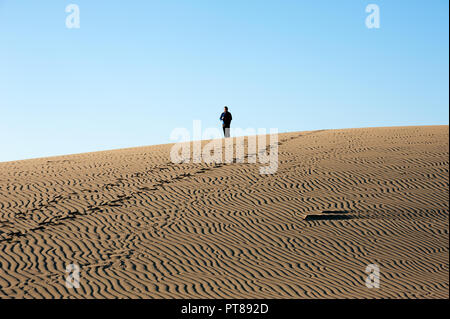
(227, 131)
(224, 131)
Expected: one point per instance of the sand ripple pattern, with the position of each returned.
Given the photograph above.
(141, 227)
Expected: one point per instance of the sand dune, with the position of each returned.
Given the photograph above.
(140, 226)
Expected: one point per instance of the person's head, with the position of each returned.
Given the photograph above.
(225, 108)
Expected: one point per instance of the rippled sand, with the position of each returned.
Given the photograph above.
(139, 226)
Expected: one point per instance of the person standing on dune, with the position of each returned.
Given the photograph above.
(226, 118)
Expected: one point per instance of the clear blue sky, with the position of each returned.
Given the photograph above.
(136, 70)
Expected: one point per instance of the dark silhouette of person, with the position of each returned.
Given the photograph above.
(226, 118)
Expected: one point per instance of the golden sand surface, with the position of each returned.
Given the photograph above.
(139, 226)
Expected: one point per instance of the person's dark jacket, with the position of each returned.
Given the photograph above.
(226, 118)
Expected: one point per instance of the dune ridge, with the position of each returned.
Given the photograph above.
(140, 226)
